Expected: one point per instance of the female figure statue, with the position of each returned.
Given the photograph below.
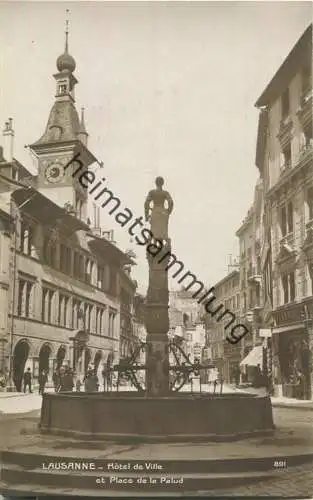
(159, 213)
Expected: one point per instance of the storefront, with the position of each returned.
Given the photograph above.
(292, 358)
(232, 354)
(251, 366)
(291, 346)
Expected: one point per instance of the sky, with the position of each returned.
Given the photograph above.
(168, 89)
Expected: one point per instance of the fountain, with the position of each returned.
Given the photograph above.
(156, 412)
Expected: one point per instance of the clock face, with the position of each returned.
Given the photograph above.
(54, 172)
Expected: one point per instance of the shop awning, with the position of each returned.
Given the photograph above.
(254, 358)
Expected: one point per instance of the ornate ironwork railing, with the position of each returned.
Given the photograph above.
(182, 372)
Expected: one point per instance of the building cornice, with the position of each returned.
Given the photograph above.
(287, 70)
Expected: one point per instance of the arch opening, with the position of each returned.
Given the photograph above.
(20, 356)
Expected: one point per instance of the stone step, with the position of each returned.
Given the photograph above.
(30, 490)
(33, 461)
(55, 481)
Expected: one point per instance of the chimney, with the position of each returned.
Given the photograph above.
(8, 140)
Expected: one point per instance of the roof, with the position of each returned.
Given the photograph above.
(287, 70)
(103, 245)
(246, 221)
(44, 210)
(63, 124)
(229, 276)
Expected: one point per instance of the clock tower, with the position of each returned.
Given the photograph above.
(65, 137)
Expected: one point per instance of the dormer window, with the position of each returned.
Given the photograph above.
(62, 88)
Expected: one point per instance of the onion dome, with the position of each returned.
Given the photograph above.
(66, 62)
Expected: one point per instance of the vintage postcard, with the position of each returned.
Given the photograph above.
(156, 249)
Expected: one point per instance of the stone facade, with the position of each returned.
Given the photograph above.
(224, 356)
(284, 158)
(60, 282)
(251, 241)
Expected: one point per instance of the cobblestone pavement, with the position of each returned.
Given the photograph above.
(294, 482)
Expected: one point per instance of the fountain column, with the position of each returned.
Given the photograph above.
(157, 325)
(157, 316)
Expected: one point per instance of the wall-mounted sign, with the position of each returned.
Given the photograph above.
(265, 332)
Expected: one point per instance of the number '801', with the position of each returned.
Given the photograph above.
(280, 464)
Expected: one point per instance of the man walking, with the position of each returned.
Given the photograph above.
(56, 380)
(42, 379)
(27, 379)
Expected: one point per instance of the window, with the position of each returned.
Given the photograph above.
(99, 320)
(112, 277)
(62, 88)
(87, 316)
(286, 219)
(81, 272)
(283, 221)
(238, 301)
(26, 241)
(111, 323)
(65, 259)
(285, 104)
(100, 277)
(257, 294)
(290, 217)
(25, 298)
(47, 306)
(74, 314)
(50, 250)
(88, 271)
(63, 309)
(287, 156)
(76, 265)
(289, 287)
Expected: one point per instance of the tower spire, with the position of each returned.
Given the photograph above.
(66, 62)
(66, 31)
(83, 134)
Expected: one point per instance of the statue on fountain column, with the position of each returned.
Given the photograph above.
(158, 214)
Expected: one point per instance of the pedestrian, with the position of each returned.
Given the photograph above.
(42, 379)
(78, 385)
(27, 379)
(67, 381)
(3, 381)
(105, 379)
(94, 381)
(56, 380)
(87, 381)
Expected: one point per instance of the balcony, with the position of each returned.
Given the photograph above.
(305, 110)
(254, 275)
(284, 134)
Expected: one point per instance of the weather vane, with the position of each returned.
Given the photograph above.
(66, 30)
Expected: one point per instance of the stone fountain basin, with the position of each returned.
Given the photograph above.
(180, 417)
